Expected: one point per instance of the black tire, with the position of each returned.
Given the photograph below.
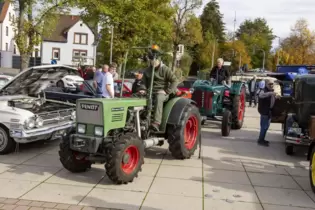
(60, 84)
(312, 170)
(116, 155)
(69, 158)
(7, 144)
(238, 102)
(226, 123)
(176, 134)
(289, 149)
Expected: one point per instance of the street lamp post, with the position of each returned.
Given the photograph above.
(212, 63)
(111, 45)
(264, 59)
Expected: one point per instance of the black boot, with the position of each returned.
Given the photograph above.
(263, 143)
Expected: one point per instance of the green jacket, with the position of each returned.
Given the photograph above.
(164, 79)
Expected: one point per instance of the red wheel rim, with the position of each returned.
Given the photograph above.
(78, 157)
(191, 132)
(130, 159)
(241, 108)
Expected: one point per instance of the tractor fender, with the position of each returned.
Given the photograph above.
(236, 87)
(173, 111)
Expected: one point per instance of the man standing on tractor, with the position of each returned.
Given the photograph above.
(219, 73)
(165, 83)
(266, 102)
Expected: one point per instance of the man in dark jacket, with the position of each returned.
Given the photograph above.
(252, 88)
(164, 84)
(266, 102)
(138, 83)
(219, 73)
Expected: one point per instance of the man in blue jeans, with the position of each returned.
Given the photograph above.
(266, 101)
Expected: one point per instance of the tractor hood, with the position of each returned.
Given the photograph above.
(34, 80)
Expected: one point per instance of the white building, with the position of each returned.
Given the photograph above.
(7, 44)
(71, 39)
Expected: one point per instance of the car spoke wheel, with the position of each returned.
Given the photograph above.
(183, 138)
(7, 144)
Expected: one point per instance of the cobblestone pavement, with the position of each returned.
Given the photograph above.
(234, 174)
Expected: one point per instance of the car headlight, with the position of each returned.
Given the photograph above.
(39, 122)
(29, 123)
(69, 80)
(98, 131)
(81, 128)
(73, 115)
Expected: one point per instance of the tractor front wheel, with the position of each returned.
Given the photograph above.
(312, 169)
(73, 161)
(226, 123)
(125, 159)
(238, 109)
(184, 137)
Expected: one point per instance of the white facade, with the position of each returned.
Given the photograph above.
(7, 31)
(80, 40)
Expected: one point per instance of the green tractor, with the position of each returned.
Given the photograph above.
(116, 132)
(217, 101)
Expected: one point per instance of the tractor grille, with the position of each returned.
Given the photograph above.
(56, 116)
(90, 112)
(117, 117)
(203, 99)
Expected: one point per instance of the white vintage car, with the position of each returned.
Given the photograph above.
(26, 115)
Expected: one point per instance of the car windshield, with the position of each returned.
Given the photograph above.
(34, 81)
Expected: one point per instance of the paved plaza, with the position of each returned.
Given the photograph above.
(234, 174)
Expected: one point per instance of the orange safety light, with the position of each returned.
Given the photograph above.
(155, 47)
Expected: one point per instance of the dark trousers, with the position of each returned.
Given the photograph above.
(252, 96)
(264, 126)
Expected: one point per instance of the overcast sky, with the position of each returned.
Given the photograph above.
(280, 14)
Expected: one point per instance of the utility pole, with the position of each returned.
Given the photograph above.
(111, 45)
(278, 57)
(234, 32)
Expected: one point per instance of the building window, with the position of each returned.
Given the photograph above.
(9, 16)
(13, 18)
(6, 47)
(56, 53)
(7, 31)
(78, 55)
(14, 49)
(80, 38)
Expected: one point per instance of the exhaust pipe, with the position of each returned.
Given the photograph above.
(152, 142)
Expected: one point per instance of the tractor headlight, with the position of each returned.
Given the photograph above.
(29, 123)
(73, 115)
(81, 128)
(191, 90)
(98, 131)
(39, 122)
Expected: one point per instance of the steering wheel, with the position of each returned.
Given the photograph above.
(206, 82)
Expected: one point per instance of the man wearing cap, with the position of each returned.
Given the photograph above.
(266, 101)
(252, 87)
(165, 83)
(137, 86)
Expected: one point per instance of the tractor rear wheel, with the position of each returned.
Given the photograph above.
(184, 137)
(125, 159)
(73, 161)
(238, 109)
(226, 123)
(312, 169)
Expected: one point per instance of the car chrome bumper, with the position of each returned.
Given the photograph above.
(298, 141)
(48, 132)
